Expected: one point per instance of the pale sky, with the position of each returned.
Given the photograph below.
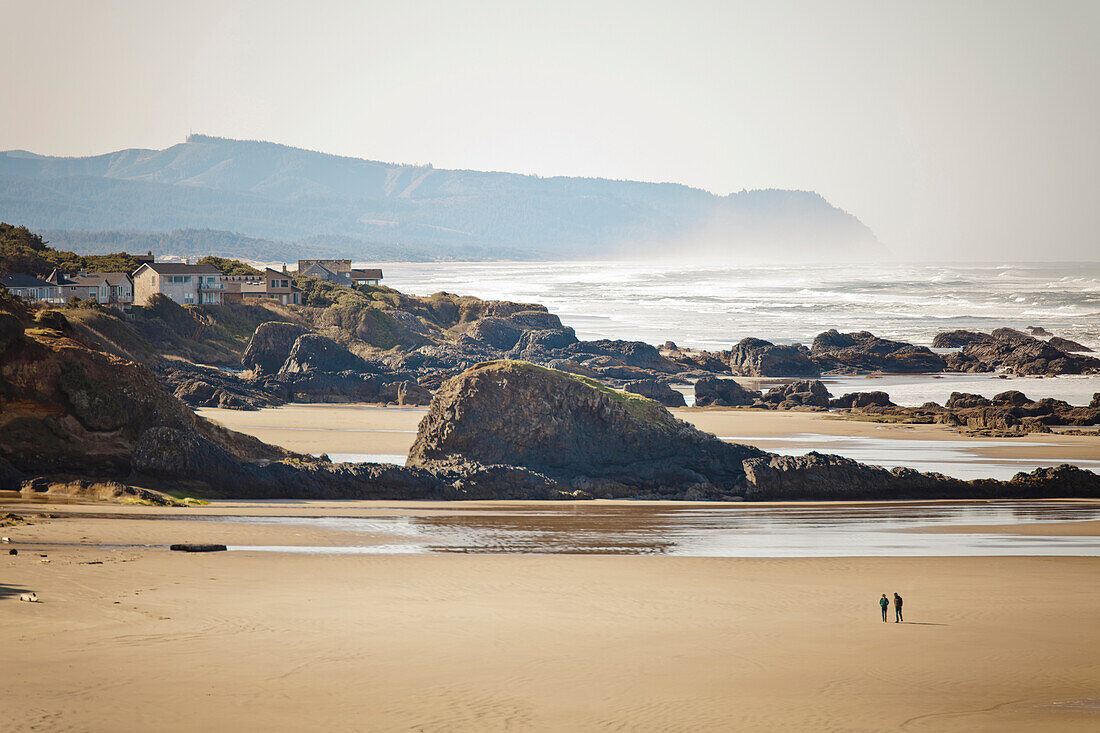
(952, 129)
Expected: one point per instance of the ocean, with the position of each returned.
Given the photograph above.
(713, 307)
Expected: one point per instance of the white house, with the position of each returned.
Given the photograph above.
(185, 284)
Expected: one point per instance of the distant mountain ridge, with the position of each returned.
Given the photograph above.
(275, 193)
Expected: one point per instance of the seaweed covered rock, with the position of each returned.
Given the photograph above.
(574, 431)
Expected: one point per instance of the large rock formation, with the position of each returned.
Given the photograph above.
(312, 352)
(79, 422)
(575, 431)
(584, 436)
(803, 393)
(68, 408)
(824, 477)
(862, 351)
(270, 346)
(656, 390)
(753, 357)
(1012, 351)
(715, 392)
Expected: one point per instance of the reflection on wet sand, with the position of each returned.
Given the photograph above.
(721, 531)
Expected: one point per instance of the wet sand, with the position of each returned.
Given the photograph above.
(147, 639)
(369, 429)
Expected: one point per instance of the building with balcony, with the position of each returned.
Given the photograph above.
(270, 284)
(31, 288)
(185, 284)
(105, 288)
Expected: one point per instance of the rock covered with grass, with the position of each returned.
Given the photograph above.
(577, 432)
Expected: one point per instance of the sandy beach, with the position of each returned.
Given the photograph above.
(143, 639)
(370, 429)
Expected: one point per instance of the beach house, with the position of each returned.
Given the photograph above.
(105, 288)
(183, 283)
(270, 284)
(30, 288)
(339, 272)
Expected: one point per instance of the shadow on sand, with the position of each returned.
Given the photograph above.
(11, 590)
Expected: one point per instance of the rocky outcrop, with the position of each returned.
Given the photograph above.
(200, 386)
(824, 477)
(69, 409)
(715, 392)
(315, 353)
(326, 386)
(803, 393)
(829, 477)
(695, 359)
(862, 351)
(654, 390)
(1068, 346)
(576, 432)
(861, 400)
(753, 357)
(270, 346)
(1008, 414)
(1012, 351)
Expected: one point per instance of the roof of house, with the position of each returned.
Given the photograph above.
(317, 266)
(180, 268)
(21, 280)
(365, 274)
(86, 280)
(116, 278)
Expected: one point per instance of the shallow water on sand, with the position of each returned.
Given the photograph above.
(827, 530)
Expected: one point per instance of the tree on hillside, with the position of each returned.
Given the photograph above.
(229, 267)
(21, 250)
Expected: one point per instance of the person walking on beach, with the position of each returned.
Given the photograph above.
(897, 608)
(884, 603)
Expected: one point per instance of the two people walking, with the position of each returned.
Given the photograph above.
(884, 603)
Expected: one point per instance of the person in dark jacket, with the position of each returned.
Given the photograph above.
(884, 603)
(897, 608)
